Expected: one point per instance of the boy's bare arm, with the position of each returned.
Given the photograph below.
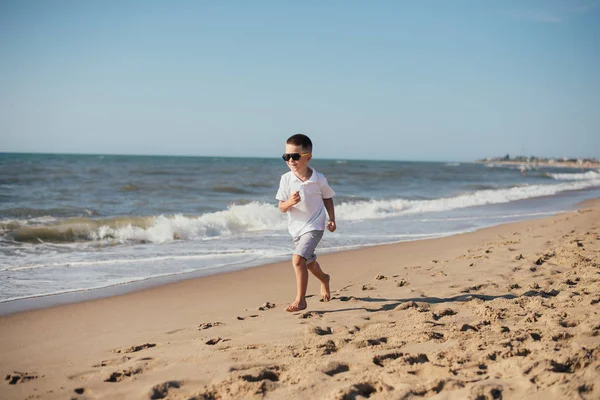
(331, 226)
(284, 206)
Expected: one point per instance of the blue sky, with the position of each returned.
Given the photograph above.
(407, 80)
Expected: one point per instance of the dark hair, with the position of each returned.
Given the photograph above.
(301, 140)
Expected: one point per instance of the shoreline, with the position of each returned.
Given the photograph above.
(44, 301)
(510, 309)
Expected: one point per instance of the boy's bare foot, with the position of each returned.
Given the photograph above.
(325, 293)
(296, 306)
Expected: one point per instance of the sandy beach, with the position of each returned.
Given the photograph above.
(507, 312)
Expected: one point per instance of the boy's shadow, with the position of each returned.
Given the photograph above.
(393, 303)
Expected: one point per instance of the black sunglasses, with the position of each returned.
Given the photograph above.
(294, 156)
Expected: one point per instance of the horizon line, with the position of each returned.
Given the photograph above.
(218, 156)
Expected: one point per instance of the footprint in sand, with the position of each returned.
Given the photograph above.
(371, 342)
(536, 336)
(134, 349)
(416, 359)
(207, 325)
(568, 324)
(116, 361)
(249, 316)
(311, 314)
(444, 313)
(266, 306)
(327, 347)
(467, 327)
(470, 289)
(434, 335)
(334, 368)
(571, 282)
(513, 286)
(406, 305)
(432, 388)
(357, 391)
(161, 391)
(376, 342)
(504, 329)
(266, 374)
(81, 393)
(322, 331)
(118, 376)
(383, 359)
(406, 358)
(439, 273)
(353, 330)
(486, 391)
(566, 367)
(212, 342)
(20, 377)
(533, 317)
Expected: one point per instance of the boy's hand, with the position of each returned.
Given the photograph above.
(331, 226)
(295, 199)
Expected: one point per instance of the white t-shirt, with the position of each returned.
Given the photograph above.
(309, 214)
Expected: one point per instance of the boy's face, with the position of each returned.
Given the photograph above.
(301, 164)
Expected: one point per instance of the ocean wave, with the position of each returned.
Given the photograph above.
(589, 175)
(240, 219)
(377, 209)
(480, 187)
(237, 219)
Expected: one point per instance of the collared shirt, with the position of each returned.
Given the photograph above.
(309, 214)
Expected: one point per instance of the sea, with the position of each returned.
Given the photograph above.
(78, 223)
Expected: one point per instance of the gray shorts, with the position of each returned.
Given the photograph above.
(305, 245)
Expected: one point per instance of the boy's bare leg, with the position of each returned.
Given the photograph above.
(316, 270)
(299, 263)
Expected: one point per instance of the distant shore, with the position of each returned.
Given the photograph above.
(545, 164)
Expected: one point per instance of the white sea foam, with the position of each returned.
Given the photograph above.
(266, 217)
(112, 262)
(237, 219)
(487, 217)
(240, 254)
(91, 285)
(389, 208)
(589, 175)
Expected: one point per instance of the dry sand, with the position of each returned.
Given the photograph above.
(505, 312)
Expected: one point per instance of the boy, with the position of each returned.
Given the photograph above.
(305, 196)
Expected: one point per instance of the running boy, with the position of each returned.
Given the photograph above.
(305, 195)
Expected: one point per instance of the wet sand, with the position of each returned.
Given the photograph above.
(510, 311)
